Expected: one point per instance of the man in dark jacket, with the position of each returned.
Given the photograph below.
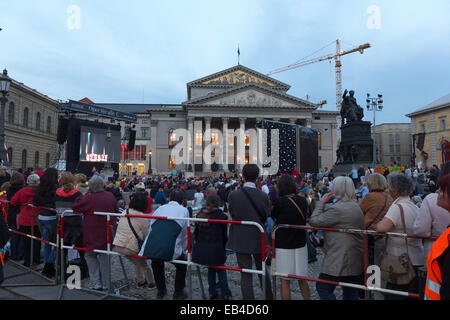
(248, 204)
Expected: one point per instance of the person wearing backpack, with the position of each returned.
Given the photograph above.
(130, 235)
(248, 204)
(209, 246)
(167, 241)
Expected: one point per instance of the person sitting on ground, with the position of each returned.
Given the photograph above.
(160, 197)
(209, 246)
(198, 198)
(125, 240)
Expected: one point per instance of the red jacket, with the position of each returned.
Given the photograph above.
(149, 208)
(23, 197)
(94, 226)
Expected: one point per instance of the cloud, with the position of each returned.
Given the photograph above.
(123, 50)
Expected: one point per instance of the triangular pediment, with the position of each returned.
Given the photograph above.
(238, 75)
(252, 95)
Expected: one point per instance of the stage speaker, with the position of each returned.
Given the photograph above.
(62, 130)
(131, 140)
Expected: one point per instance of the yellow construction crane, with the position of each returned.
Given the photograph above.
(337, 57)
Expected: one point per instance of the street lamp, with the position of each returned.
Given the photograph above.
(5, 82)
(374, 104)
(150, 162)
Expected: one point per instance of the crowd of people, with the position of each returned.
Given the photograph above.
(394, 199)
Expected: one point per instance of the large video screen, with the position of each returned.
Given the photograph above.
(95, 148)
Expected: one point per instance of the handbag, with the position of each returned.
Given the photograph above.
(397, 270)
(298, 208)
(139, 240)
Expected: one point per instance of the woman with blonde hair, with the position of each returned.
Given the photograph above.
(374, 206)
(343, 261)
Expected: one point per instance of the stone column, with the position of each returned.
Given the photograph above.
(190, 145)
(276, 119)
(309, 123)
(292, 121)
(240, 157)
(153, 136)
(225, 146)
(206, 142)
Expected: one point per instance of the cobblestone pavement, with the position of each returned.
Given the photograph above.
(117, 278)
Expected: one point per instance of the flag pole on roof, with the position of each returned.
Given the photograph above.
(239, 53)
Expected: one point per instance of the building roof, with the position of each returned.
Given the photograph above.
(32, 91)
(87, 100)
(139, 108)
(255, 86)
(242, 68)
(439, 103)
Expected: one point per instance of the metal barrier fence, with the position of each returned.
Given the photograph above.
(188, 262)
(52, 282)
(60, 268)
(365, 234)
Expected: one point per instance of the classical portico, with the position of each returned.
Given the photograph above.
(236, 98)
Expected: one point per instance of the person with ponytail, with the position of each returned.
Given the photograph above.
(209, 246)
(44, 197)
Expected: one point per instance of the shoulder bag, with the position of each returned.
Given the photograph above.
(379, 213)
(298, 208)
(139, 240)
(397, 270)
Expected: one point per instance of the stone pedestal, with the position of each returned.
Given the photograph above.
(356, 147)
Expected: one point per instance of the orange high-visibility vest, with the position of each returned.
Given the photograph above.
(434, 276)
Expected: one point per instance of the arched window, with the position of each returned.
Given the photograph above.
(47, 160)
(11, 112)
(49, 124)
(38, 121)
(36, 160)
(25, 117)
(10, 154)
(24, 159)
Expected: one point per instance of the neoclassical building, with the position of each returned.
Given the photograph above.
(235, 98)
(31, 120)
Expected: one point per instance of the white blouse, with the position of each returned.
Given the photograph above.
(396, 245)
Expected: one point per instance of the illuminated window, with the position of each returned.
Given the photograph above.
(231, 139)
(172, 139)
(171, 162)
(198, 138)
(320, 140)
(215, 138)
(247, 143)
